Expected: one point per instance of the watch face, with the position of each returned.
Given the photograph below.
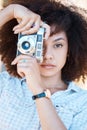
(48, 93)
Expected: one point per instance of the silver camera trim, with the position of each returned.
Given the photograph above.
(40, 58)
(36, 44)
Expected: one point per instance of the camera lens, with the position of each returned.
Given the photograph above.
(25, 45)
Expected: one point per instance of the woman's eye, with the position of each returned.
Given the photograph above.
(58, 45)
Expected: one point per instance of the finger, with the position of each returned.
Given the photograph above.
(21, 24)
(47, 29)
(20, 71)
(21, 57)
(21, 74)
(24, 68)
(23, 65)
(47, 33)
(34, 29)
(26, 27)
(23, 61)
(31, 31)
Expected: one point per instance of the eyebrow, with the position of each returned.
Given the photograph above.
(59, 39)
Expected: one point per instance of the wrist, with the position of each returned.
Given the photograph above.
(38, 90)
(10, 10)
(6, 15)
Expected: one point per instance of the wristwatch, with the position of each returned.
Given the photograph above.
(46, 93)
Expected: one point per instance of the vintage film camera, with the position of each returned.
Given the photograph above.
(31, 44)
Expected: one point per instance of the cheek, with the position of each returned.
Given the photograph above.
(61, 59)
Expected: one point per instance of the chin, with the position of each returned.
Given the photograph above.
(47, 74)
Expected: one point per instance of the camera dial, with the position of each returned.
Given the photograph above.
(26, 45)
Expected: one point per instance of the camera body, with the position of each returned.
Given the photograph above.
(31, 44)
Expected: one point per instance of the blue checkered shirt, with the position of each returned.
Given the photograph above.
(18, 110)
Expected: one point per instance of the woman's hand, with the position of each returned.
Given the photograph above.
(28, 21)
(28, 67)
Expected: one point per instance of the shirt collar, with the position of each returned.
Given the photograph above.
(73, 87)
(23, 80)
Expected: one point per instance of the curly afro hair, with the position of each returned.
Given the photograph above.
(64, 18)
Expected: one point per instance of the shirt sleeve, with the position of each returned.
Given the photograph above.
(3, 81)
(1, 84)
(80, 120)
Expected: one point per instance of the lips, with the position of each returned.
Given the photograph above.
(48, 66)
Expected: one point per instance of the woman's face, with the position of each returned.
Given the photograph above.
(55, 55)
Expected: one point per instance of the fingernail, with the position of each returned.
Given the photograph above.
(12, 63)
(23, 33)
(13, 29)
(15, 32)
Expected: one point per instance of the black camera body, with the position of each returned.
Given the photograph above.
(31, 44)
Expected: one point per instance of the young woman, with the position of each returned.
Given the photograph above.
(35, 96)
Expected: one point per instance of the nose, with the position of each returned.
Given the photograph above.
(48, 54)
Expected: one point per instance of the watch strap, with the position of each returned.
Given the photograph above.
(41, 95)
